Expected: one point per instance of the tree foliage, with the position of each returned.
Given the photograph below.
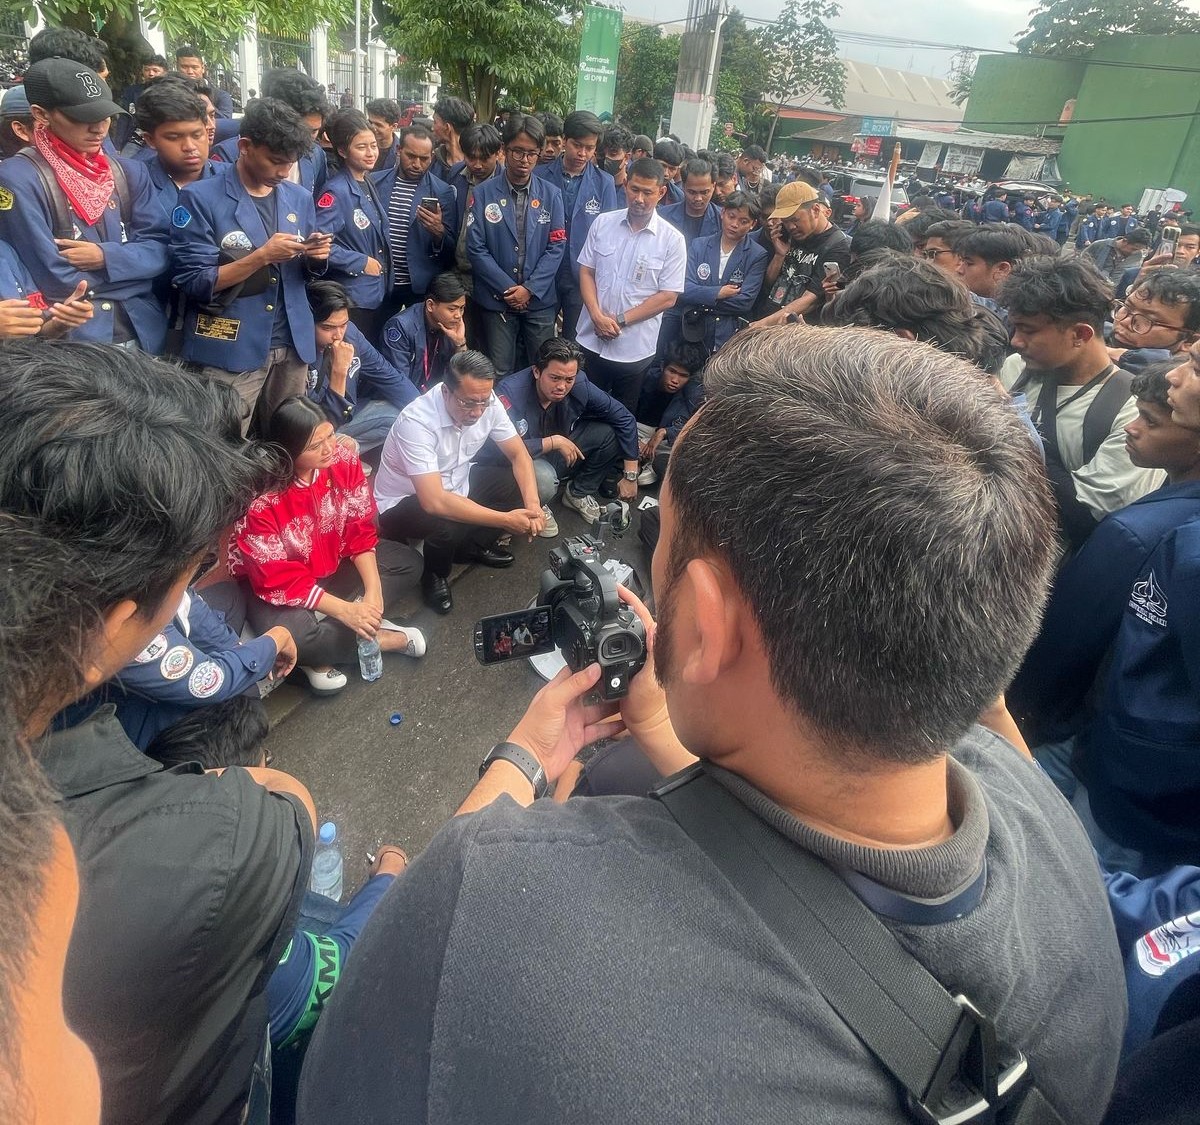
(744, 75)
(1074, 27)
(802, 57)
(962, 75)
(646, 71)
(527, 49)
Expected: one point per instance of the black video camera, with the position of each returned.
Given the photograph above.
(578, 611)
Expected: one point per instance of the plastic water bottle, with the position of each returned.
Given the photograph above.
(327, 864)
(370, 659)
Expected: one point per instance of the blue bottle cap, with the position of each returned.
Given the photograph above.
(328, 832)
(396, 719)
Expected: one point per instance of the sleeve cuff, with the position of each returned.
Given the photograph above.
(314, 597)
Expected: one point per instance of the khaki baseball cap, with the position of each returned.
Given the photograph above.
(792, 197)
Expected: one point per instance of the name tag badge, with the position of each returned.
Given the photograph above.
(639, 273)
(217, 328)
(736, 278)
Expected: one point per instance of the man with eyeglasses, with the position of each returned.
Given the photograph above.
(941, 244)
(574, 431)
(1159, 319)
(427, 487)
(516, 240)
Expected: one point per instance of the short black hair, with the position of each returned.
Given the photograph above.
(917, 228)
(345, 125)
(743, 201)
(155, 60)
(326, 298)
(1188, 228)
(223, 735)
(647, 168)
(292, 424)
(418, 131)
(994, 243)
(526, 123)
(688, 354)
(641, 141)
(469, 364)
(387, 108)
(726, 167)
(103, 450)
(168, 100)
(697, 167)
(668, 151)
(616, 139)
(941, 540)
(455, 112)
(294, 87)
(1150, 384)
(875, 234)
(480, 141)
(1067, 290)
(1139, 236)
(582, 123)
(277, 127)
(187, 51)
(949, 231)
(67, 43)
(754, 152)
(447, 288)
(551, 122)
(1174, 288)
(558, 349)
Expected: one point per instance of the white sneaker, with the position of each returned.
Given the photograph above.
(327, 682)
(647, 476)
(550, 531)
(416, 646)
(586, 506)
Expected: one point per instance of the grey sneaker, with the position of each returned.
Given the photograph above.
(586, 506)
(550, 531)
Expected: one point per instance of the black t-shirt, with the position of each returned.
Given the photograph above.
(281, 331)
(804, 269)
(653, 404)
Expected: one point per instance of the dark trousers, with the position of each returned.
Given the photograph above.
(492, 486)
(368, 322)
(328, 641)
(621, 380)
(396, 300)
(505, 332)
(570, 303)
(601, 461)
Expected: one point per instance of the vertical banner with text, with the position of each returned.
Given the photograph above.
(598, 50)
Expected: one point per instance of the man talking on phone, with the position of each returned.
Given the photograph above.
(243, 246)
(422, 220)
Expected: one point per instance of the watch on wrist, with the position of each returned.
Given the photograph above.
(526, 762)
(629, 474)
(620, 320)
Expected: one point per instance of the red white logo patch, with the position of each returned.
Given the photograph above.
(326, 200)
(153, 650)
(176, 664)
(206, 680)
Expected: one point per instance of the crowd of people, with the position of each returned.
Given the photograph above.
(921, 691)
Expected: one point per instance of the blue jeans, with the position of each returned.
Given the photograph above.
(601, 460)
(371, 423)
(503, 332)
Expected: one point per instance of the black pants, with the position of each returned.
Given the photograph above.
(368, 322)
(621, 380)
(492, 486)
(328, 641)
(601, 461)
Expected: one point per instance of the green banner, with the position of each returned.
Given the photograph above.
(598, 50)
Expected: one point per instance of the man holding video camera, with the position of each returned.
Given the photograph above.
(856, 540)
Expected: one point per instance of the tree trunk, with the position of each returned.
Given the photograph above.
(774, 123)
(127, 49)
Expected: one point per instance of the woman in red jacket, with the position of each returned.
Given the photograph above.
(312, 558)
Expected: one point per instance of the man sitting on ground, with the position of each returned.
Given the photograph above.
(420, 341)
(670, 396)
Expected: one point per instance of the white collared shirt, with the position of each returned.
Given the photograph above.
(425, 439)
(630, 267)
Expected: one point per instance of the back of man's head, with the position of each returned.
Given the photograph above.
(994, 243)
(878, 235)
(1066, 290)
(886, 521)
(297, 89)
(128, 463)
(455, 112)
(67, 43)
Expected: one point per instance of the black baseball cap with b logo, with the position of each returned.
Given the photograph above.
(71, 87)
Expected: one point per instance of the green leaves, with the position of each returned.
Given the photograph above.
(646, 72)
(1074, 27)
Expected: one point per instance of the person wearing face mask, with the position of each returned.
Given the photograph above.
(615, 147)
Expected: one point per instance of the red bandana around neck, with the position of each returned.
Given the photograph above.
(87, 181)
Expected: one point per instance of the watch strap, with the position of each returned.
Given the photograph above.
(526, 762)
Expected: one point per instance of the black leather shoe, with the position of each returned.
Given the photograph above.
(494, 556)
(437, 593)
(608, 490)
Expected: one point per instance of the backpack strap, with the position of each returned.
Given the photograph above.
(940, 1048)
(60, 210)
(1103, 410)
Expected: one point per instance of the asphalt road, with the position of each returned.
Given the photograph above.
(381, 783)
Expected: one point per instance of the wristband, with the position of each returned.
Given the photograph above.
(526, 762)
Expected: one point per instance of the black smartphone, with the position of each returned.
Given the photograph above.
(512, 636)
(431, 203)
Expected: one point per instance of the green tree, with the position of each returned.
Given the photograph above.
(117, 22)
(526, 49)
(1074, 27)
(646, 73)
(802, 57)
(730, 108)
(743, 77)
(962, 75)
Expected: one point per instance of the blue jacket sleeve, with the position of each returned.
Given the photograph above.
(696, 292)
(377, 375)
(207, 627)
(488, 273)
(145, 254)
(399, 348)
(194, 251)
(608, 409)
(751, 284)
(541, 281)
(1140, 905)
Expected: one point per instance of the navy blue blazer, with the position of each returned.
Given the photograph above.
(676, 213)
(15, 282)
(597, 194)
(425, 259)
(135, 253)
(314, 168)
(674, 194)
(492, 242)
(406, 345)
(164, 187)
(352, 211)
(370, 377)
(216, 213)
(746, 267)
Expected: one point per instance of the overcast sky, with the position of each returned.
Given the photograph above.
(976, 23)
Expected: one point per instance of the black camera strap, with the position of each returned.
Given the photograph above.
(940, 1048)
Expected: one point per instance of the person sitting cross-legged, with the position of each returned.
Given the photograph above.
(312, 558)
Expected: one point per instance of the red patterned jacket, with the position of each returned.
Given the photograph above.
(289, 541)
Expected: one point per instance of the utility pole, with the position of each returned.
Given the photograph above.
(695, 99)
